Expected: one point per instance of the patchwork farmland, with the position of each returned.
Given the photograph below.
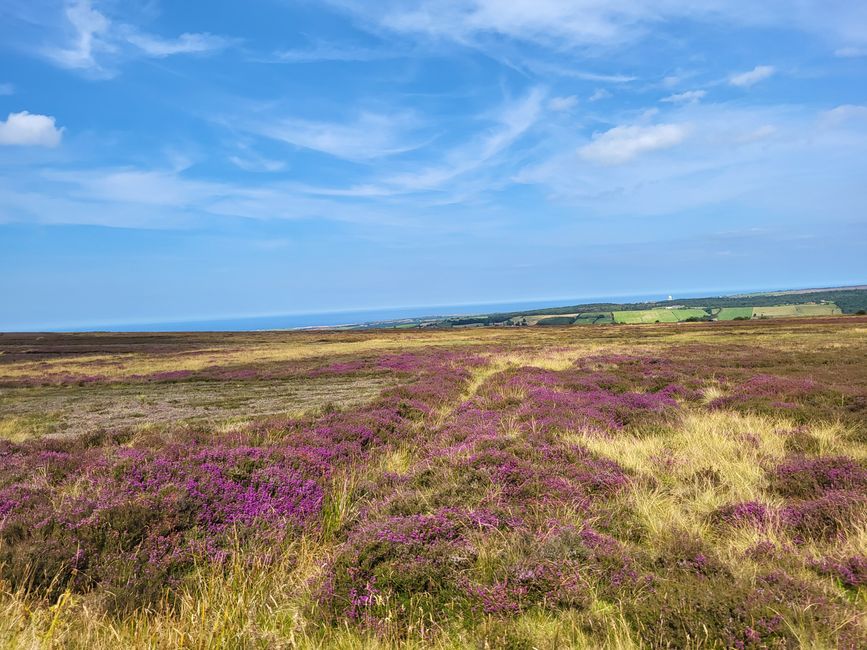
(681, 485)
(785, 304)
(677, 315)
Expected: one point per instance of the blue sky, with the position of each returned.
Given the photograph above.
(182, 160)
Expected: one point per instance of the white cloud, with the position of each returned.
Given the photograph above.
(250, 161)
(687, 97)
(88, 26)
(7, 89)
(513, 121)
(844, 113)
(29, 130)
(368, 136)
(464, 171)
(770, 159)
(97, 45)
(571, 72)
(183, 44)
(599, 93)
(577, 23)
(323, 51)
(751, 77)
(562, 103)
(623, 143)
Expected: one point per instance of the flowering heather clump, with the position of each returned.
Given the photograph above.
(764, 550)
(601, 411)
(828, 516)
(406, 561)
(748, 513)
(780, 391)
(806, 478)
(552, 585)
(851, 571)
(133, 520)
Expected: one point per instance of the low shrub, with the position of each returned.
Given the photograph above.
(808, 478)
(830, 515)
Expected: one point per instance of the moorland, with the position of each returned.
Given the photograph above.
(673, 485)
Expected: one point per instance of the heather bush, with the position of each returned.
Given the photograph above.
(401, 564)
(700, 609)
(133, 520)
(762, 390)
(748, 513)
(696, 611)
(828, 516)
(807, 478)
(850, 572)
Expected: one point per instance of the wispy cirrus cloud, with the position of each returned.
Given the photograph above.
(322, 51)
(94, 43)
(563, 103)
(599, 94)
(844, 113)
(186, 43)
(364, 136)
(88, 29)
(578, 23)
(752, 77)
(687, 97)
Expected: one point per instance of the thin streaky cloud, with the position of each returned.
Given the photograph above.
(325, 52)
(98, 45)
(752, 77)
(366, 136)
(599, 94)
(186, 43)
(687, 97)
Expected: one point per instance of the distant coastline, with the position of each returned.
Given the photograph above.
(373, 317)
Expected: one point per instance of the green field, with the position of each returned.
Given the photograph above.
(730, 313)
(782, 311)
(645, 316)
(683, 314)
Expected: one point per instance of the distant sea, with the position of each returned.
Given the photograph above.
(357, 317)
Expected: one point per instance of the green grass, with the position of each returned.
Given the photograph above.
(730, 313)
(782, 311)
(645, 316)
(683, 314)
